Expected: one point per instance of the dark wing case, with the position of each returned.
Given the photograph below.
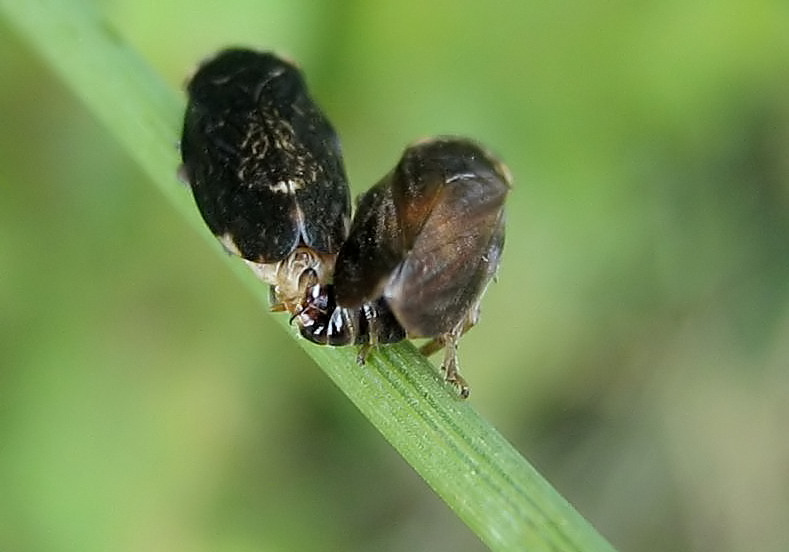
(457, 248)
(263, 162)
(373, 249)
(388, 220)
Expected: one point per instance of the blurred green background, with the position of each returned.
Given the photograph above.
(635, 347)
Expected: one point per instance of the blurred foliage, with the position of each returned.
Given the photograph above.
(635, 347)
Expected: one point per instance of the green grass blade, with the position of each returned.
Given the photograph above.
(460, 455)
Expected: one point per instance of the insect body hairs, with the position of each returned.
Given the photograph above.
(265, 168)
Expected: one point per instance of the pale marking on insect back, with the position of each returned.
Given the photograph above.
(461, 176)
(230, 246)
(287, 186)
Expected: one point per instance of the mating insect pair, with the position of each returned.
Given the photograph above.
(267, 174)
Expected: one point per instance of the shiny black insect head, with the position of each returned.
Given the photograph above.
(323, 322)
(264, 163)
(423, 246)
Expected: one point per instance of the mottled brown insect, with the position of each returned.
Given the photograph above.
(423, 246)
(265, 168)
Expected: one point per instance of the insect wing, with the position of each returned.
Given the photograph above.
(373, 249)
(417, 185)
(263, 162)
(457, 250)
(388, 219)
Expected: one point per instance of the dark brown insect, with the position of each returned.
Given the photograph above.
(266, 171)
(265, 168)
(423, 246)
